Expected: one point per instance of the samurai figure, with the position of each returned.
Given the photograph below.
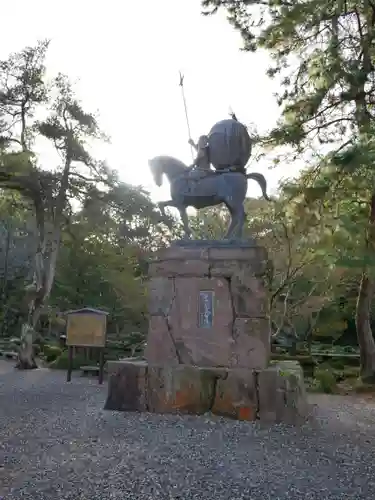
(227, 147)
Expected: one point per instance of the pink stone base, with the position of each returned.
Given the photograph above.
(239, 335)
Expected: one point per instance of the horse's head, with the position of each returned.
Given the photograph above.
(156, 170)
(167, 165)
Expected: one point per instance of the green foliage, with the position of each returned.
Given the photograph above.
(325, 381)
(79, 234)
(322, 54)
(103, 231)
(61, 363)
(51, 352)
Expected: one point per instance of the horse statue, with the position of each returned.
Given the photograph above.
(228, 148)
(200, 189)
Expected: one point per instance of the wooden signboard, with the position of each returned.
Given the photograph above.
(86, 328)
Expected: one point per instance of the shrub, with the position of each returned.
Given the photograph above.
(61, 363)
(325, 381)
(335, 363)
(51, 352)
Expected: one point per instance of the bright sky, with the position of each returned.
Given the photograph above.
(126, 56)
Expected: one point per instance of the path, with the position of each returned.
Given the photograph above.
(56, 442)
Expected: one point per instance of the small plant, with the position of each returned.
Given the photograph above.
(61, 363)
(325, 381)
(51, 352)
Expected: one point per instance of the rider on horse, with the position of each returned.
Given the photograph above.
(202, 160)
(227, 148)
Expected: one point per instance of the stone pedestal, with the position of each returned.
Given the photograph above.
(208, 345)
(208, 307)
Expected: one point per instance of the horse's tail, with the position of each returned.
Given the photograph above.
(261, 180)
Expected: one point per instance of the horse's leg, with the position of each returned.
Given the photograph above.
(234, 190)
(185, 221)
(241, 220)
(163, 204)
(233, 222)
(238, 216)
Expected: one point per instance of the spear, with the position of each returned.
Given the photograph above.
(186, 112)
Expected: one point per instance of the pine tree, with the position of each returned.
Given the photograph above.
(323, 52)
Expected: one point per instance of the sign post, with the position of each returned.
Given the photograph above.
(86, 327)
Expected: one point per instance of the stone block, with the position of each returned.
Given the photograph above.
(248, 294)
(182, 253)
(127, 387)
(296, 405)
(236, 395)
(115, 366)
(180, 389)
(282, 394)
(225, 269)
(171, 268)
(250, 344)
(160, 295)
(275, 394)
(234, 253)
(202, 346)
(216, 282)
(160, 346)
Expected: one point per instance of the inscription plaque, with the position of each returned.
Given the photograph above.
(206, 309)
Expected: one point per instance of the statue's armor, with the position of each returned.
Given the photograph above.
(229, 145)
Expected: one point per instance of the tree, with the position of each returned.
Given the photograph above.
(16, 244)
(296, 294)
(322, 53)
(69, 128)
(300, 283)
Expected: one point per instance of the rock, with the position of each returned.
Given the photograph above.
(235, 395)
(171, 268)
(282, 393)
(180, 389)
(213, 304)
(127, 389)
(161, 292)
(275, 394)
(160, 347)
(202, 346)
(183, 252)
(248, 294)
(251, 343)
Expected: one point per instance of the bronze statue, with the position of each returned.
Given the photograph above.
(228, 148)
(202, 159)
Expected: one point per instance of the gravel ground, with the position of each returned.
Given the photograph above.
(56, 442)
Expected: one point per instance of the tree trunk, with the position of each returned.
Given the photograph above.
(38, 296)
(363, 312)
(364, 332)
(26, 357)
(4, 295)
(43, 277)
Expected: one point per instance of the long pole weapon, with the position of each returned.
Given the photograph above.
(186, 112)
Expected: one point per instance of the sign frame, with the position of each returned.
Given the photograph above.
(206, 309)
